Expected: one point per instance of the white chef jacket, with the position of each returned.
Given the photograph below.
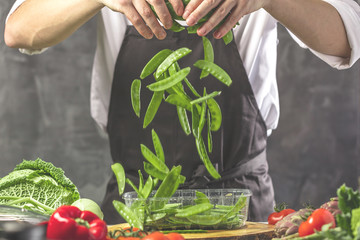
(256, 39)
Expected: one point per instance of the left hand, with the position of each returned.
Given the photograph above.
(196, 9)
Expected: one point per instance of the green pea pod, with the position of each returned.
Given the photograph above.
(215, 113)
(195, 121)
(135, 96)
(154, 62)
(205, 158)
(154, 172)
(167, 188)
(214, 70)
(148, 187)
(129, 216)
(141, 180)
(194, 210)
(183, 119)
(202, 117)
(178, 101)
(128, 181)
(206, 97)
(240, 204)
(177, 27)
(153, 107)
(173, 57)
(193, 29)
(157, 146)
(119, 173)
(228, 37)
(153, 159)
(209, 135)
(191, 87)
(201, 198)
(170, 81)
(208, 55)
(205, 220)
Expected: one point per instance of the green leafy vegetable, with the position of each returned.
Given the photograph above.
(37, 185)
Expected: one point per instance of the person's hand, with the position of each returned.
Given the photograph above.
(231, 11)
(142, 17)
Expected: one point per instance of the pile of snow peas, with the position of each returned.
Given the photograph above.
(151, 208)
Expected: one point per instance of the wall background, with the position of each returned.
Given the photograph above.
(45, 112)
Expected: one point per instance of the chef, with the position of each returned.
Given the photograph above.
(129, 35)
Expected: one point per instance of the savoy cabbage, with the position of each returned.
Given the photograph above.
(37, 185)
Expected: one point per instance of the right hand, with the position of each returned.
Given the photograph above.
(142, 17)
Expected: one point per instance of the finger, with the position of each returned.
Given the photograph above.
(147, 15)
(178, 6)
(135, 18)
(162, 12)
(190, 7)
(219, 15)
(225, 27)
(201, 11)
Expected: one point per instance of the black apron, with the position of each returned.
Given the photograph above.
(239, 146)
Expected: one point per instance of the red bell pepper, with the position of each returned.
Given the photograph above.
(70, 223)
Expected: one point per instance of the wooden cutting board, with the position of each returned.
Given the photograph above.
(251, 231)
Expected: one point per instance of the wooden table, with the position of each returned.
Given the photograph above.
(251, 231)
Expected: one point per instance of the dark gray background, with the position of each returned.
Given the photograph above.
(45, 112)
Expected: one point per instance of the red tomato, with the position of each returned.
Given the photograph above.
(277, 216)
(315, 221)
(155, 236)
(174, 236)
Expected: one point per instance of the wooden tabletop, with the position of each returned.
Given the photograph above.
(251, 231)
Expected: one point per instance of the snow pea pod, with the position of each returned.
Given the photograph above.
(202, 117)
(128, 214)
(119, 173)
(135, 96)
(153, 159)
(173, 57)
(209, 135)
(157, 146)
(215, 113)
(170, 81)
(154, 62)
(228, 37)
(183, 119)
(205, 158)
(193, 29)
(141, 180)
(201, 198)
(153, 107)
(153, 171)
(148, 187)
(205, 97)
(177, 27)
(178, 101)
(193, 210)
(214, 70)
(167, 188)
(208, 55)
(195, 121)
(128, 181)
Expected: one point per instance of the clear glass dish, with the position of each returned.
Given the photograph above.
(192, 209)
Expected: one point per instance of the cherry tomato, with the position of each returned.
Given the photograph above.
(280, 212)
(174, 236)
(155, 236)
(315, 221)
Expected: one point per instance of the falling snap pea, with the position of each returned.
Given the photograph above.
(214, 70)
(183, 119)
(170, 81)
(173, 57)
(205, 158)
(153, 107)
(158, 146)
(208, 55)
(135, 96)
(153, 159)
(206, 97)
(119, 173)
(215, 113)
(178, 101)
(154, 62)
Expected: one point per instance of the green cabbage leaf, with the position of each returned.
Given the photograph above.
(38, 186)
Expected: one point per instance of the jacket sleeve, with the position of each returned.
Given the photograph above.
(349, 11)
